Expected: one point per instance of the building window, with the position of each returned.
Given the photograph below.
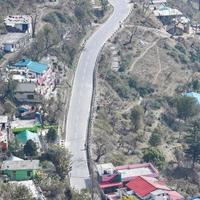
(30, 96)
(29, 173)
(14, 174)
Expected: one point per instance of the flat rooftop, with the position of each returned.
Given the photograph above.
(11, 38)
(165, 11)
(101, 168)
(130, 171)
(22, 123)
(3, 119)
(29, 185)
(20, 164)
(157, 1)
(12, 20)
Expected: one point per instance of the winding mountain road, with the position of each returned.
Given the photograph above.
(79, 108)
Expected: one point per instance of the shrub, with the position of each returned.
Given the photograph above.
(154, 156)
(51, 135)
(183, 58)
(137, 117)
(30, 148)
(173, 54)
(181, 48)
(155, 139)
(187, 107)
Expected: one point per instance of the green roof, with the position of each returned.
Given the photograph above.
(26, 135)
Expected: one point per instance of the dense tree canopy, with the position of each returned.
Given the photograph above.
(61, 158)
(51, 135)
(193, 141)
(155, 139)
(155, 156)
(30, 148)
(187, 107)
(137, 115)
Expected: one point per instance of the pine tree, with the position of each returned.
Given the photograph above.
(193, 141)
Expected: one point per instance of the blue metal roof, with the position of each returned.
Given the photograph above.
(195, 95)
(26, 135)
(36, 67)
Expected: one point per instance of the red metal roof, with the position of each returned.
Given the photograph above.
(143, 186)
(108, 185)
(108, 178)
(174, 195)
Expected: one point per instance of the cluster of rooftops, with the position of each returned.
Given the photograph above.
(140, 181)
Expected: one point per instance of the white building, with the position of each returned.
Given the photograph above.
(11, 42)
(18, 23)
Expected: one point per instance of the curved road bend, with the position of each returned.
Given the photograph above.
(79, 109)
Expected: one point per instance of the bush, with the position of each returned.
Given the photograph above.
(183, 58)
(173, 54)
(51, 135)
(155, 139)
(137, 117)
(196, 85)
(154, 156)
(187, 107)
(30, 148)
(181, 48)
(118, 84)
(61, 158)
(54, 17)
(145, 90)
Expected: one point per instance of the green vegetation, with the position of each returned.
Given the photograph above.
(193, 141)
(32, 129)
(155, 156)
(137, 115)
(181, 48)
(61, 159)
(51, 135)
(30, 148)
(187, 107)
(127, 86)
(155, 138)
(129, 198)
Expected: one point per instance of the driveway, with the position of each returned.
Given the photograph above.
(79, 109)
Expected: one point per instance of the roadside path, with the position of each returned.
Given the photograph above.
(79, 108)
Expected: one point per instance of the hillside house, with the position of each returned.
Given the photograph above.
(111, 178)
(31, 70)
(137, 180)
(20, 170)
(18, 23)
(25, 93)
(24, 136)
(4, 133)
(166, 14)
(194, 95)
(12, 42)
(152, 188)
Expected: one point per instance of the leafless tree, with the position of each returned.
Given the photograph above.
(34, 21)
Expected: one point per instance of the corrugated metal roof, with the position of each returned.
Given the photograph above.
(194, 95)
(143, 186)
(36, 67)
(26, 135)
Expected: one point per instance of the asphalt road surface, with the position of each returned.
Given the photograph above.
(79, 109)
